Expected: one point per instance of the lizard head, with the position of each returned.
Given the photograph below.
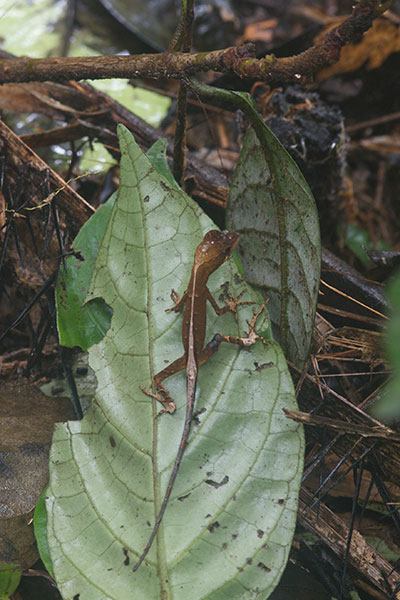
(215, 249)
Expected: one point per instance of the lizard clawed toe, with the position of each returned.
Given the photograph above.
(166, 401)
(233, 302)
(252, 336)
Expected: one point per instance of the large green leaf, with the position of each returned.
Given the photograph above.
(386, 402)
(227, 529)
(273, 209)
(40, 527)
(83, 325)
(9, 581)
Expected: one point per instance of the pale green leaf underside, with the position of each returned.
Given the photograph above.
(272, 207)
(216, 541)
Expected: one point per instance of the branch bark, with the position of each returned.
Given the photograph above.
(334, 532)
(240, 60)
(174, 65)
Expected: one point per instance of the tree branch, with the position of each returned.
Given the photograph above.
(175, 65)
(178, 65)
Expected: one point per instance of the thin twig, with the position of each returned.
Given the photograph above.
(350, 428)
(187, 17)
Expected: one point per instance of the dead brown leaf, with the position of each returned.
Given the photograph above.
(376, 45)
(27, 420)
(259, 32)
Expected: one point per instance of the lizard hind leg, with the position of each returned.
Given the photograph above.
(162, 394)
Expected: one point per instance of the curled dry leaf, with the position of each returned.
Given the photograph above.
(376, 45)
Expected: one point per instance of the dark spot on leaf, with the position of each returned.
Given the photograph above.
(209, 473)
(126, 561)
(225, 288)
(195, 418)
(57, 390)
(281, 501)
(82, 371)
(211, 528)
(215, 484)
(234, 536)
(146, 199)
(78, 255)
(249, 561)
(234, 497)
(260, 533)
(112, 441)
(181, 498)
(224, 546)
(208, 516)
(263, 567)
(76, 597)
(164, 186)
(263, 366)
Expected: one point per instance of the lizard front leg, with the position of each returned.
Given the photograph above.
(230, 304)
(249, 340)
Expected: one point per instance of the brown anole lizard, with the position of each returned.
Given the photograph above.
(211, 253)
